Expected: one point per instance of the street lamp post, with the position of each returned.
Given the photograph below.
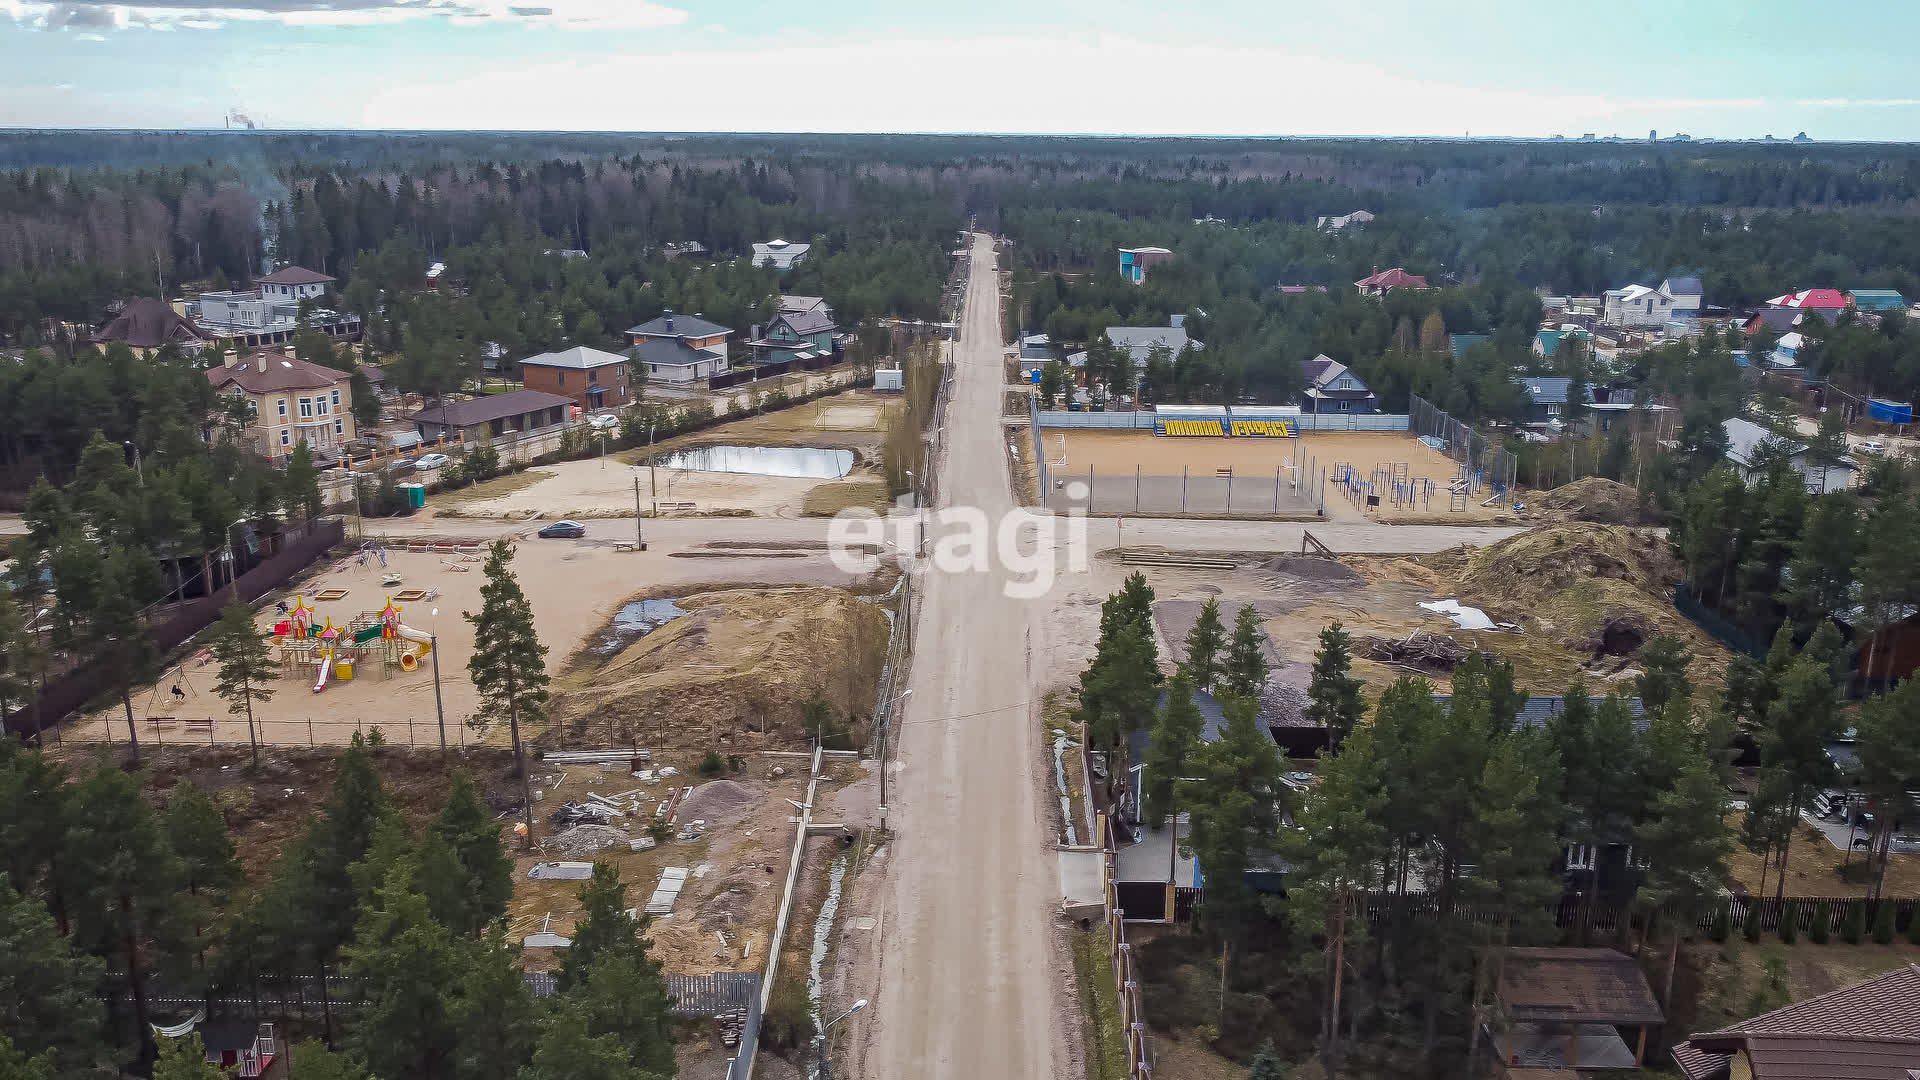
(823, 1068)
(433, 647)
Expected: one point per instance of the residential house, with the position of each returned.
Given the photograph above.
(377, 378)
(259, 318)
(1811, 300)
(1547, 342)
(592, 378)
(1332, 387)
(1299, 290)
(1037, 348)
(1565, 1009)
(804, 305)
(1610, 406)
(290, 402)
(1138, 341)
(1637, 306)
(293, 283)
(146, 324)
(1745, 440)
(780, 254)
(485, 418)
(1135, 262)
(1685, 293)
(1546, 397)
(679, 349)
(1460, 343)
(1382, 282)
(805, 335)
(1867, 1031)
(1876, 300)
(1335, 224)
(685, 249)
(1786, 351)
(1779, 320)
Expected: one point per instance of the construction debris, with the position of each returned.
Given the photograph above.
(640, 758)
(672, 880)
(546, 939)
(1466, 618)
(561, 871)
(585, 839)
(1421, 650)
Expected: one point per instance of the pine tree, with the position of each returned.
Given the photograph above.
(1267, 1064)
(48, 992)
(15, 1064)
(625, 997)
(116, 632)
(301, 484)
(1790, 922)
(185, 1058)
(198, 835)
(1335, 701)
(22, 660)
(406, 963)
(247, 668)
(1170, 750)
(1888, 748)
(1204, 643)
(567, 1052)
(1663, 676)
(311, 1060)
(603, 927)
(1246, 666)
(508, 665)
(495, 1018)
(126, 884)
(1686, 844)
(1801, 723)
(1515, 832)
(472, 836)
(1118, 690)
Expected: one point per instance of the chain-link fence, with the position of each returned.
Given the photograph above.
(1224, 492)
(1484, 461)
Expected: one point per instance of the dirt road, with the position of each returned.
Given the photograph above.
(969, 983)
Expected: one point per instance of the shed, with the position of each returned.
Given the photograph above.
(492, 416)
(1563, 1009)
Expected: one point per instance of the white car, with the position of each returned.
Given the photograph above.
(1871, 446)
(430, 461)
(605, 421)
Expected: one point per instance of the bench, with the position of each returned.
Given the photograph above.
(675, 505)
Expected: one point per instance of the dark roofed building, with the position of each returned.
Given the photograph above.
(1867, 1031)
(292, 283)
(492, 416)
(1333, 387)
(148, 323)
(669, 325)
(666, 346)
(1563, 1008)
(1536, 711)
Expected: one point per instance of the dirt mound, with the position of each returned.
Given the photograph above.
(733, 671)
(1597, 588)
(719, 801)
(1596, 499)
(1315, 568)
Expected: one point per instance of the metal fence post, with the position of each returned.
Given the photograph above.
(1136, 489)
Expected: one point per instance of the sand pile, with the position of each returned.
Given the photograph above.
(734, 670)
(1596, 499)
(719, 801)
(1315, 568)
(1596, 588)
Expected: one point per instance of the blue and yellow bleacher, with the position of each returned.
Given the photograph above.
(1275, 429)
(1189, 427)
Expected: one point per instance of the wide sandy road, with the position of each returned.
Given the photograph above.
(968, 988)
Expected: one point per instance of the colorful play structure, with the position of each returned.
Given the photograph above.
(336, 653)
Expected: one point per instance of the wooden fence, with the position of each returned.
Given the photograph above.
(1120, 958)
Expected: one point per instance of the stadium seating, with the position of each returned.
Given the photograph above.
(1190, 427)
(1276, 429)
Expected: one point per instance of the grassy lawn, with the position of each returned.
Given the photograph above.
(1737, 983)
(1100, 1000)
(829, 499)
(1813, 868)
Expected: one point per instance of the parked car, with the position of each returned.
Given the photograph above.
(401, 465)
(1871, 446)
(431, 461)
(563, 530)
(605, 421)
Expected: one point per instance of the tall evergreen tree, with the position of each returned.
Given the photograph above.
(1802, 723)
(1664, 660)
(1888, 748)
(49, 1001)
(16, 1064)
(1204, 644)
(1171, 748)
(1246, 667)
(472, 835)
(301, 484)
(185, 1058)
(495, 1015)
(1335, 701)
(407, 964)
(1516, 836)
(603, 927)
(116, 628)
(247, 667)
(22, 660)
(1685, 843)
(508, 664)
(1120, 686)
(198, 835)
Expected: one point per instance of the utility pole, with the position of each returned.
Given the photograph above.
(439, 710)
(639, 522)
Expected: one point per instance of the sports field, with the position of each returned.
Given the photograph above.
(1189, 474)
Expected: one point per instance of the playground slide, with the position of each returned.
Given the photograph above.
(408, 632)
(326, 669)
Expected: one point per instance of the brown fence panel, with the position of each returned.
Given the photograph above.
(64, 695)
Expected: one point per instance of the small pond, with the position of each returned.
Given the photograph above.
(635, 621)
(804, 461)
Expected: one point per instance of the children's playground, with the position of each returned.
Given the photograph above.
(1384, 475)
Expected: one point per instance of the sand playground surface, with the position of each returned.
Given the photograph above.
(575, 587)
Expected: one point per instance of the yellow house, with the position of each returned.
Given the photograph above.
(292, 401)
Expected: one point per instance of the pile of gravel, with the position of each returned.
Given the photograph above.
(1315, 568)
(718, 800)
(1283, 704)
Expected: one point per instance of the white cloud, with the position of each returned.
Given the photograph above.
(1858, 103)
(212, 14)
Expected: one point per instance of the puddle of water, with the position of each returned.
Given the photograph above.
(635, 621)
(800, 461)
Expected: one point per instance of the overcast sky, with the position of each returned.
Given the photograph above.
(1720, 68)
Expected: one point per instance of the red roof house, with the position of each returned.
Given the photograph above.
(1382, 282)
(1867, 1031)
(1811, 298)
(148, 324)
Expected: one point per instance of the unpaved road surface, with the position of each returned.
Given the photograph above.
(970, 977)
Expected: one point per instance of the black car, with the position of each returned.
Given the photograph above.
(563, 530)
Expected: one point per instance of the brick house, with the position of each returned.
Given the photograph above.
(679, 348)
(292, 401)
(592, 378)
